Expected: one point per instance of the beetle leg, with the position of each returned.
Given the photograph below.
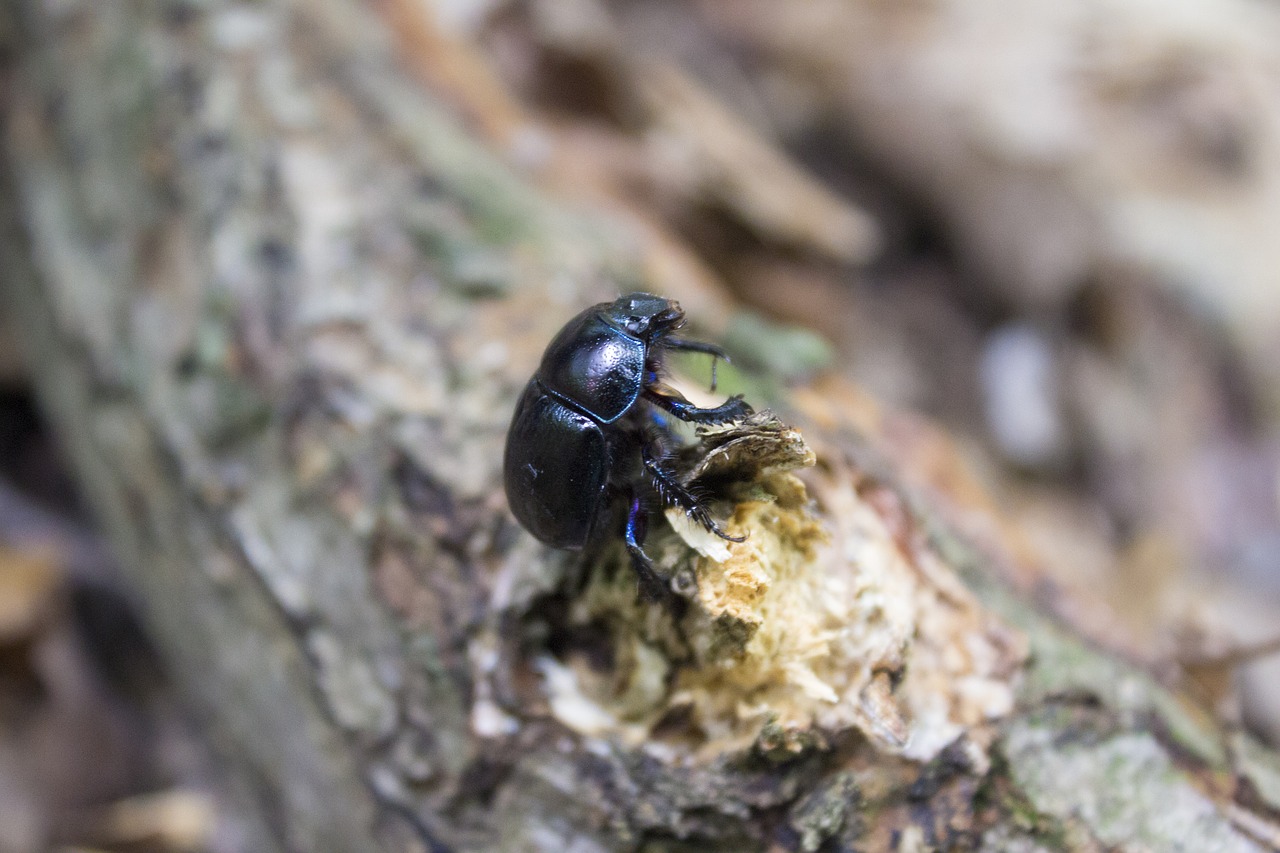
(712, 350)
(733, 409)
(652, 586)
(675, 494)
(694, 346)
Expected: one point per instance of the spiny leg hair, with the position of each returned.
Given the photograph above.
(672, 493)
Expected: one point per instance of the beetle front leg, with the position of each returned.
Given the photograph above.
(733, 409)
(716, 353)
(674, 494)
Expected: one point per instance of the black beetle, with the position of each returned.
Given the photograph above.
(586, 432)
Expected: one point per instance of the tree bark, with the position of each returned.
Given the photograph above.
(280, 299)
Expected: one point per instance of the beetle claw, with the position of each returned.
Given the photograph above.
(720, 531)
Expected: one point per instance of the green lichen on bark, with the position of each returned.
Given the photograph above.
(1120, 786)
(1064, 666)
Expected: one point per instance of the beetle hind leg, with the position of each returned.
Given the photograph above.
(673, 493)
(652, 585)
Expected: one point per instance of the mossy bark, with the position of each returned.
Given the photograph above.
(279, 303)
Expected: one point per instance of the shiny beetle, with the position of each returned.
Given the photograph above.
(587, 432)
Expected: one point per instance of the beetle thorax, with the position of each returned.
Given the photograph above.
(595, 367)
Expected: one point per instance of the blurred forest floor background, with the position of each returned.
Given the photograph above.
(1052, 231)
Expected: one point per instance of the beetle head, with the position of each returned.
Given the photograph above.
(645, 315)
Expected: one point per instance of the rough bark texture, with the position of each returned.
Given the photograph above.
(280, 303)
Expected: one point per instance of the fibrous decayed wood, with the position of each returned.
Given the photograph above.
(280, 302)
